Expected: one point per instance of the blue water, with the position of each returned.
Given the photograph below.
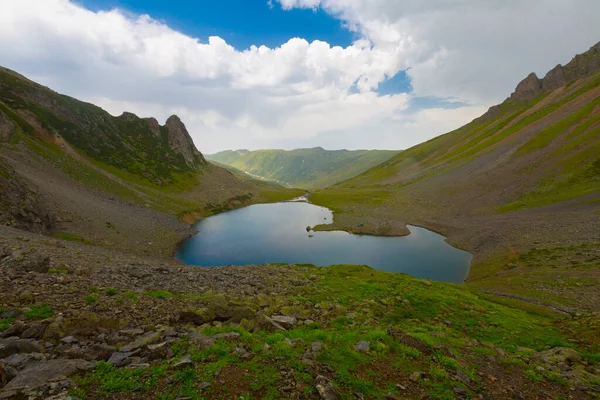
(270, 233)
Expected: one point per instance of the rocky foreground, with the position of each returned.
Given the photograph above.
(81, 321)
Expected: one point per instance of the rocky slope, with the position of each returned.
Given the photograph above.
(303, 168)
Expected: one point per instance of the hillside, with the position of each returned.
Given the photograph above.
(72, 170)
(303, 168)
(519, 187)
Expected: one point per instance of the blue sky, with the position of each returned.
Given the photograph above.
(241, 23)
(410, 70)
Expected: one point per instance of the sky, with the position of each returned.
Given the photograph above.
(354, 74)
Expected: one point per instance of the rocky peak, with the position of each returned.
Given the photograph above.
(527, 89)
(181, 141)
(127, 116)
(581, 66)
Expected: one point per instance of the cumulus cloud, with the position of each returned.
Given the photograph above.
(473, 50)
(299, 93)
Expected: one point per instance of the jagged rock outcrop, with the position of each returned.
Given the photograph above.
(582, 66)
(527, 89)
(181, 141)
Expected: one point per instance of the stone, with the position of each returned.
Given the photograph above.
(557, 356)
(271, 325)
(325, 388)
(285, 321)
(144, 340)
(184, 362)
(69, 340)
(38, 373)
(227, 336)
(203, 385)
(317, 347)
(29, 259)
(13, 346)
(362, 346)
(100, 352)
(35, 331)
(21, 359)
(197, 316)
(120, 359)
(201, 341)
(415, 376)
(158, 351)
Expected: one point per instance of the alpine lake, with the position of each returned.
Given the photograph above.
(276, 233)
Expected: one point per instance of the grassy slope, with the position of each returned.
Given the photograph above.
(485, 186)
(305, 168)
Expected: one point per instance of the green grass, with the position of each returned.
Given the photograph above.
(90, 299)
(71, 237)
(111, 292)
(39, 312)
(159, 294)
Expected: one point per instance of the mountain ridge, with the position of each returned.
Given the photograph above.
(307, 168)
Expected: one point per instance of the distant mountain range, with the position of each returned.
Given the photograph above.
(303, 168)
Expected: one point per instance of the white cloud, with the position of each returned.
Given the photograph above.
(299, 93)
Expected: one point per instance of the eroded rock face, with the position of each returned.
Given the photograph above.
(20, 206)
(554, 79)
(153, 125)
(7, 128)
(181, 141)
(30, 260)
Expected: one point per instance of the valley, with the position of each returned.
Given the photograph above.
(303, 168)
(93, 304)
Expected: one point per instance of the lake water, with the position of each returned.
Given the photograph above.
(270, 233)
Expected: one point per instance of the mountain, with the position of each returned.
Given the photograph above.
(70, 169)
(517, 186)
(303, 168)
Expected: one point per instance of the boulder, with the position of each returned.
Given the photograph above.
(99, 352)
(197, 316)
(227, 336)
(38, 373)
(325, 388)
(12, 346)
(556, 356)
(29, 259)
(184, 362)
(120, 359)
(285, 321)
(362, 346)
(144, 340)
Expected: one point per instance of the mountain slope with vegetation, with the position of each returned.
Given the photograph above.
(70, 169)
(92, 305)
(303, 168)
(519, 187)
